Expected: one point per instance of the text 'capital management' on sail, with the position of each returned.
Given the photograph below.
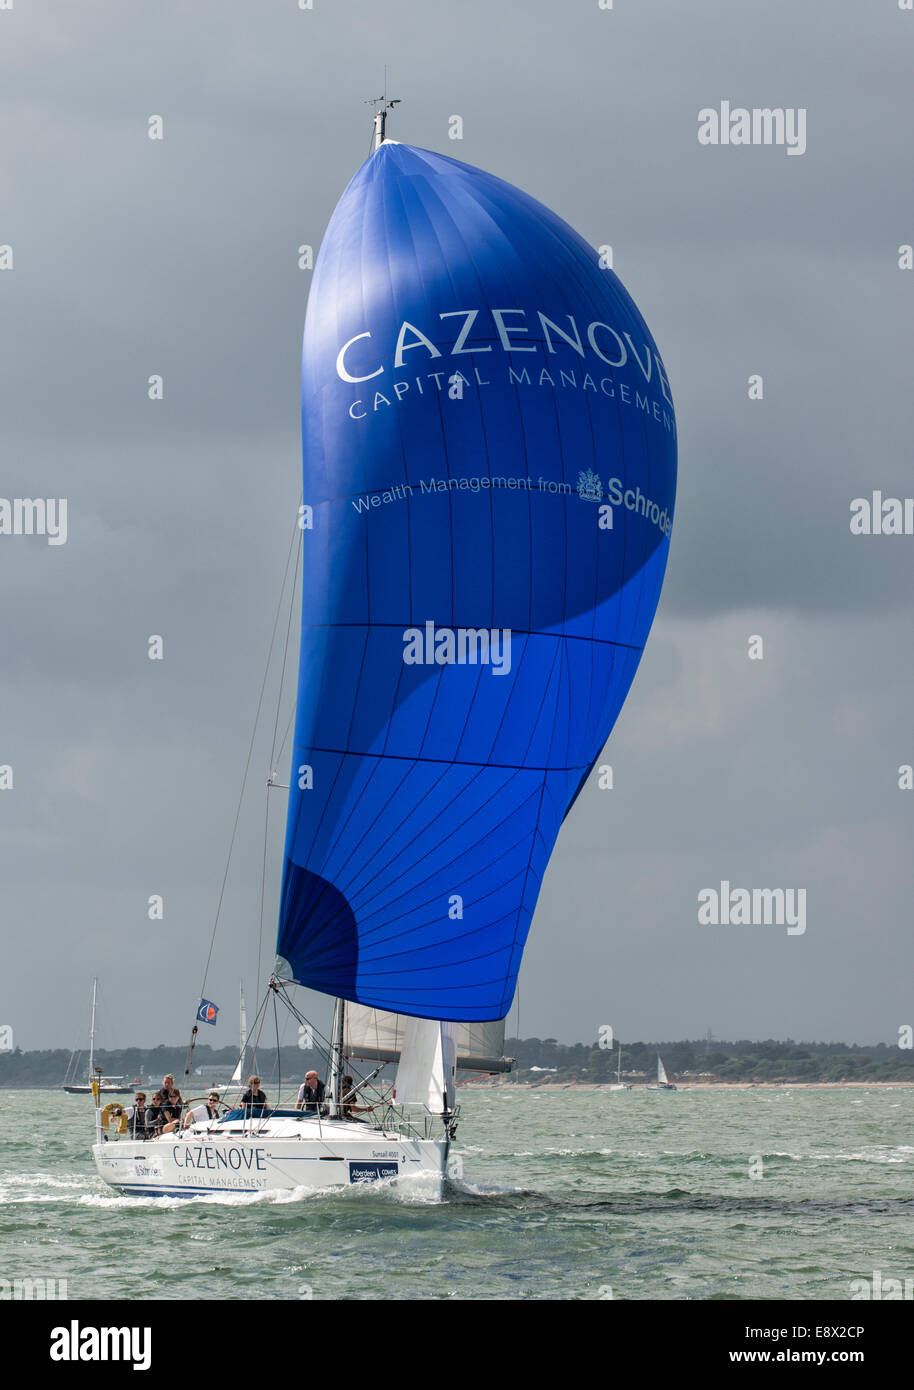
(356, 365)
(567, 380)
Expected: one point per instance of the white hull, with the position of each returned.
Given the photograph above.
(278, 1156)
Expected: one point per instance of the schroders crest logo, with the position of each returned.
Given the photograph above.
(589, 486)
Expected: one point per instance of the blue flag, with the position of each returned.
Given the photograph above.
(207, 1012)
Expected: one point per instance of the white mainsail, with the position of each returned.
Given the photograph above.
(425, 1075)
(661, 1073)
(376, 1035)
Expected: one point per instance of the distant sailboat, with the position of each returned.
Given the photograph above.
(619, 1084)
(107, 1085)
(663, 1084)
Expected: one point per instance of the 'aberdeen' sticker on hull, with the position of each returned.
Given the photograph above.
(371, 1172)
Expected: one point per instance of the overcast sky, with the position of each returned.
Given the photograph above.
(134, 257)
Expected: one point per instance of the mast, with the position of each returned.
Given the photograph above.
(92, 1030)
(380, 119)
(243, 1021)
(380, 124)
(238, 1073)
(336, 1059)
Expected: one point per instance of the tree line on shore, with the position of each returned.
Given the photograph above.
(537, 1060)
(704, 1060)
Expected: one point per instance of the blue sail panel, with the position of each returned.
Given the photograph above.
(489, 451)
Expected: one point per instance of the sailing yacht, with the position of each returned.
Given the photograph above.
(473, 615)
(107, 1085)
(662, 1084)
(619, 1084)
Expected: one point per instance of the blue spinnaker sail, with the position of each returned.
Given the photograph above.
(489, 476)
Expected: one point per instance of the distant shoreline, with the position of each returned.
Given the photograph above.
(694, 1085)
(504, 1083)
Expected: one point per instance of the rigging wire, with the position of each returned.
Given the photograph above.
(263, 879)
(324, 1044)
(517, 1022)
(285, 652)
(278, 1049)
(247, 764)
(273, 750)
(288, 731)
(245, 1046)
(262, 1015)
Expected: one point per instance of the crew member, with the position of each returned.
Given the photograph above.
(254, 1096)
(310, 1093)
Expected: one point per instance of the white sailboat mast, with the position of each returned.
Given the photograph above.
(336, 1059)
(238, 1073)
(380, 124)
(380, 118)
(92, 1030)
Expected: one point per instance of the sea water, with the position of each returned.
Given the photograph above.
(771, 1193)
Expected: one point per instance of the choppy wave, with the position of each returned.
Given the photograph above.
(556, 1199)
